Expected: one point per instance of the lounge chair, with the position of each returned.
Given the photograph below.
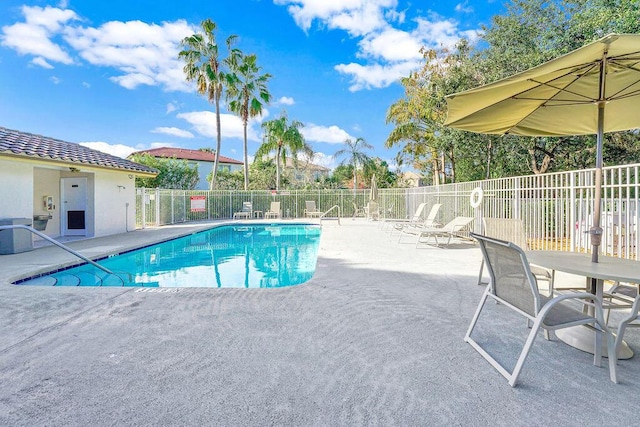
(513, 286)
(429, 222)
(512, 230)
(246, 212)
(274, 211)
(311, 211)
(449, 230)
(392, 222)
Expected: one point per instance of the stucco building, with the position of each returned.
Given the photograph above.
(204, 160)
(66, 189)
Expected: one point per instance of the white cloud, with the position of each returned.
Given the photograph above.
(145, 54)
(173, 131)
(142, 54)
(41, 62)
(33, 37)
(326, 160)
(118, 150)
(357, 17)
(285, 100)
(391, 45)
(376, 75)
(121, 150)
(204, 122)
(328, 134)
(55, 80)
(86, 85)
(386, 51)
(438, 32)
(464, 7)
(171, 107)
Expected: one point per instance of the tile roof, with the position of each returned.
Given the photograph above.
(187, 154)
(28, 145)
(305, 165)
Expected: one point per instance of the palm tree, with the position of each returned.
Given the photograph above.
(247, 91)
(284, 139)
(203, 65)
(355, 156)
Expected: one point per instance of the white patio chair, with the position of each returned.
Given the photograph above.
(246, 212)
(429, 222)
(393, 222)
(311, 211)
(449, 230)
(624, 296)
(512, 230)
(274, 211)
(357, 211)
(514, 286)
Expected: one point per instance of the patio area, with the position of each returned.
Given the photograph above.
(376, 337)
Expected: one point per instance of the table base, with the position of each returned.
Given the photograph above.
(582, 338)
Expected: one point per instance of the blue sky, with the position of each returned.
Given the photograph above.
(106, 74)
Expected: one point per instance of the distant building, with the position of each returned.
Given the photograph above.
(305, 171)
(413, 179)
(203, 159)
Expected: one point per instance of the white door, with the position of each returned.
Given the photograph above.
(74, 206)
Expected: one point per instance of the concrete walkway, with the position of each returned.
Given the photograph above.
(376, 337)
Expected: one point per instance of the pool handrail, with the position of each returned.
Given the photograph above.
(330, 209)
(60, 245)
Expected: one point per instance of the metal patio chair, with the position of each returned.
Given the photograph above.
(310, 210)
(512, 230)
(624, 296)
(246, 212)
(514, 286)
(357, 211)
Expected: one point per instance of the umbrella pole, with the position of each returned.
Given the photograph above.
(596, 230)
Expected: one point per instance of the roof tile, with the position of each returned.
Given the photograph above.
(187, 154)
(31, 145)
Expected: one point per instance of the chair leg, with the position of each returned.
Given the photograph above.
(525, 352)
(476, 315)
(623, 324)
(480, 282)
(612, 352)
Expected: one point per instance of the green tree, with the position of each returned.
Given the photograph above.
(531, 32)
(247, 92)
(174, 173)
(355, 156)
(284, 138)
(204, 66)
(262, 177)
(385, 178)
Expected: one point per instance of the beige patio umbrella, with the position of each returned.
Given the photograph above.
(592, 90)
(373, 192)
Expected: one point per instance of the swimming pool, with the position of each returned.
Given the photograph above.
(234, 256)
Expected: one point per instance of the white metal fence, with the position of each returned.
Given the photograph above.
(556, 208)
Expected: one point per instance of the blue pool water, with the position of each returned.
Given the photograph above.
(252, 256)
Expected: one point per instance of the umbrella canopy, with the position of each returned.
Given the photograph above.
(373, 192)
(568, 95)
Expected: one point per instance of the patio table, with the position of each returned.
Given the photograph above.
(607, 268)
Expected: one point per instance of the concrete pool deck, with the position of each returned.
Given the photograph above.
(376, 337)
